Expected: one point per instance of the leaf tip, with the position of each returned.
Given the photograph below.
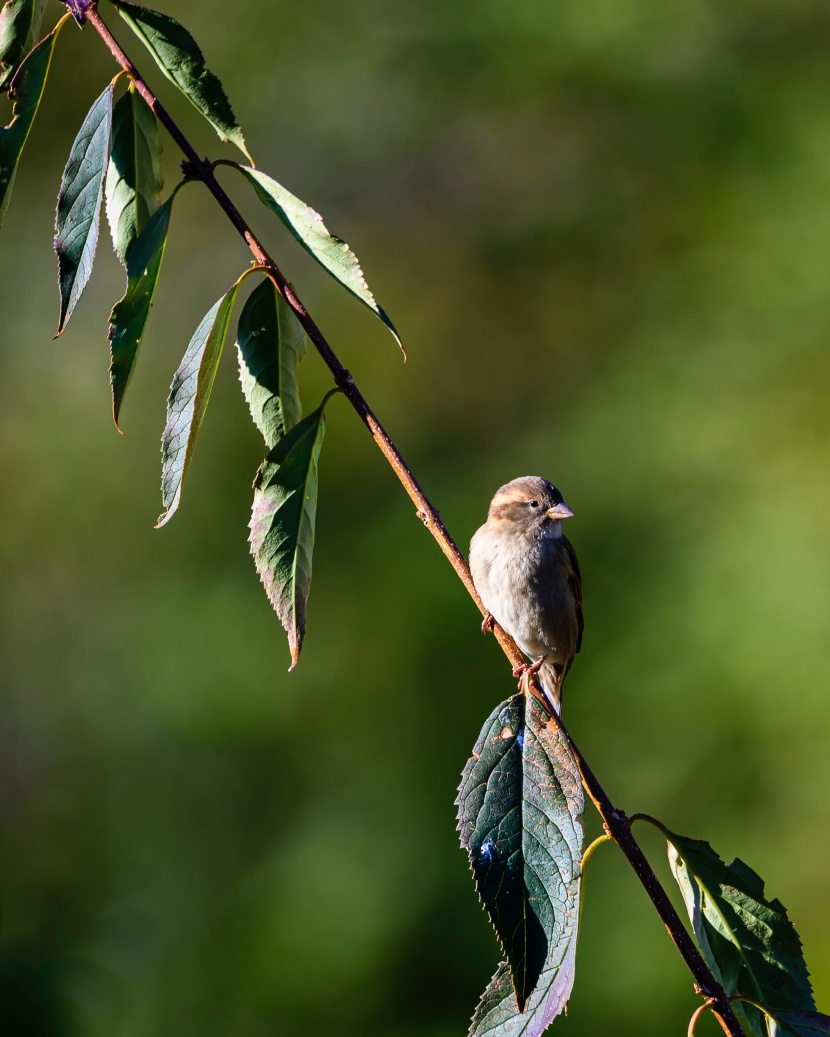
(384, 316)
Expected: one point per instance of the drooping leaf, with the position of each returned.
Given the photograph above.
(19, 27)
(188, 400)
(283, 520)
(79, 204)
(270, 344)
(307, 226)
(130, 313)
(747, 941)
(26, 91)
(519, 817)
(178, 56)
(133, 184)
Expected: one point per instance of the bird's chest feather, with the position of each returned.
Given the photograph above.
(523, 583)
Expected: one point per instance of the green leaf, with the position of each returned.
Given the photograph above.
(307, 226)
(134, 182)
(282, 523)
(130, 313)
(188, 400)
(270, 344)
(26, 91)
(803, 1024)
(519, 817)
(179, 58)
(19, 26)
(747, 941)
(79, 204)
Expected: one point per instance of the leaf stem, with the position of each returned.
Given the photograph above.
(707, 1006)
(615, 822)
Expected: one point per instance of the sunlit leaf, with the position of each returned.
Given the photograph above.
(26, 91)
(519, 816)
(307, 226)
(270, 344)
(19, 27)
(79, 204)
(188, 400)
(130, 313)
(133, 184)
(283, 520)
(179, 57)
(748, 942)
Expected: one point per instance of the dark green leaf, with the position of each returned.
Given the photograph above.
(519, 817)
(282, 523)
(270, 343)
(19, 26)
(129, 315)
(803, 1024)
(188, 400)
(133, 185)
(26, 91)
(179, 57)
(308, 228)
(79, 204)
(748, 941)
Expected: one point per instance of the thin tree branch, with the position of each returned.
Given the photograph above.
(615, 822)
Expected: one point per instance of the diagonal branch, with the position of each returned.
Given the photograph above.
(615, 821)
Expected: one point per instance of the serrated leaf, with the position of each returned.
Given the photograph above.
(134, 182)
(307, 226)
(19, 26)
(747, 941)
(79, 204)
(188, 400)
(130, 313)
(519, 817)
(26, 91)
(270, 344)
(178, 56)
(282, 523)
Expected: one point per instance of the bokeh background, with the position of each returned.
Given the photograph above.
(603, 230)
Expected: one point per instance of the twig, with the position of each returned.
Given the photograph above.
(615, 821)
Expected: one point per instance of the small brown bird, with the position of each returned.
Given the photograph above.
(526, 573)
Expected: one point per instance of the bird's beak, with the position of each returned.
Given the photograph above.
(559, 512)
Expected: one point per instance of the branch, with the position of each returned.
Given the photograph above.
(615, 822)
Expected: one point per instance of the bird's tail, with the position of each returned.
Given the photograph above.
(551, 677)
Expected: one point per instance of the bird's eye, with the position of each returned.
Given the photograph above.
(533, 503)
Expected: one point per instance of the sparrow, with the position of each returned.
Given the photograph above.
(527, 576)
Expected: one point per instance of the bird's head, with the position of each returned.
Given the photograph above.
(530, 505)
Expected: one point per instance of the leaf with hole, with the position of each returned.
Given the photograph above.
(520, 807)
(130, 313)
(747, 941)
(19, 27)
(188, 400)
(133, 184)
(26, 91)
(270, 344)
(79, 204)
(178, 56)
(307, 227)
(283, 520)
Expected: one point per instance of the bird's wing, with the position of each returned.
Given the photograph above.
(575, 587)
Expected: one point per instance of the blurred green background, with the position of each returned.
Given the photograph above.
(603, 232)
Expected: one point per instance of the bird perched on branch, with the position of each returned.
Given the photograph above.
(526, 573)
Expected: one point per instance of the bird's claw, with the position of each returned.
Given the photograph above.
(487, 624)
(524, 671)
